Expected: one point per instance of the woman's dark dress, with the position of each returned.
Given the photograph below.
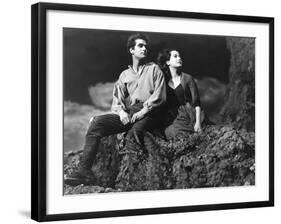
(181, 116)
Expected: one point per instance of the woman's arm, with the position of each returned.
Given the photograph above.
(194, 92)
(197, 126)
(196, 103)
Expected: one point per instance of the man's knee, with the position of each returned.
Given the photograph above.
(95, 127)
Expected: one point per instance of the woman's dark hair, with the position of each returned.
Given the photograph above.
(132, 40)
(163, 57)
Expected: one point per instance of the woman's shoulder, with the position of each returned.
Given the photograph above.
(185, 77)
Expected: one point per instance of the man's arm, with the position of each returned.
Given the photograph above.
(157, 98)
(120, 93)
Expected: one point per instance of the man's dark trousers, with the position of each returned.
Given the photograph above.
(109, 124)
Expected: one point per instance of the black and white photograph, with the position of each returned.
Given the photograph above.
(141, 111)
(157, 111)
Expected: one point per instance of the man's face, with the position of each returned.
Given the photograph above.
(140, 49)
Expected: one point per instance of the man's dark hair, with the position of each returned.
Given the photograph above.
(132, 40)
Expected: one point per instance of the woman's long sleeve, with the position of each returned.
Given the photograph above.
(194, 93)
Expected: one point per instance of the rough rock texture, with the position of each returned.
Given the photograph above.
(239, 107)
(220, 156)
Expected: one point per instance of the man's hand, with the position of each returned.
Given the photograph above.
(124, 117)
(197, 127)
(139, 115)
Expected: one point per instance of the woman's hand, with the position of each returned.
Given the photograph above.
(197, 127)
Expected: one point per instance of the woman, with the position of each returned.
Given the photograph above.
(183, 104)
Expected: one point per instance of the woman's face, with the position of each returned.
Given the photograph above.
(175, 59)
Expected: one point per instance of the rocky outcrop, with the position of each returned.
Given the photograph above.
(220, 156)
(239, 106)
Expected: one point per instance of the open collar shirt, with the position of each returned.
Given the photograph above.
(147, 86)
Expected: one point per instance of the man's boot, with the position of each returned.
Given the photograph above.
(84, 174)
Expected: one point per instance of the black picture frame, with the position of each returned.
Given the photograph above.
(39, 110)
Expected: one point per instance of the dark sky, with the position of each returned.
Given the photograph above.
(93, 56)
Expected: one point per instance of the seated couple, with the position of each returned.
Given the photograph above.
(161, 96)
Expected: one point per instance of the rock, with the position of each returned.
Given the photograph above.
(239, 107)
(190, 161)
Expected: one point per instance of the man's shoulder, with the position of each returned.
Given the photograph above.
(149, 67)
(124, 73)
(147, 64)
(153, 68)
(152, 65)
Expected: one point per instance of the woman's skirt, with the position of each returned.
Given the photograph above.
(181, 120)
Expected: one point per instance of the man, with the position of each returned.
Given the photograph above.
(143, 84)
